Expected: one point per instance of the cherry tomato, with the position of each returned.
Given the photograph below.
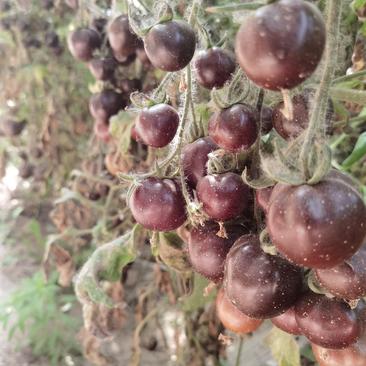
(213, 67)
(223, 196)
(262, 197)
(158, 204)
(170, 45)
(317, 226)
(289, 129)
(259, 284)
(232, 318)
(157, 125)
(121, 39)
(348, 279)
(354, 355)
(326, 322)
(287, 322)
(83, 42)
(195, 158)
(281, 44)
(102, 68)
(105, 104)
(207, 250)
(235, 128)
(101, 130)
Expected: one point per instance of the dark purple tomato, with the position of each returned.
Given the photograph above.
(26, 170)
(262, 197)
(223, 196)
(354, 355)
(208, 251)
(232, 318)
(195, 158)
(235, 128)
(51, 39)
(122, 59)
(214, 67)
(83, 42)
(105, 104)
(170, 46)
(102, 68)
(142, 56)
(99, 24)
(292, 128)
(101, 130)
(348, 279)
(259, 284)
(134, 134)
(266, 120)
(326, 322)
(287, 322)
(158, 204)
(128, 86)
(157, 125)
(281, 44)
(121, 39)
(317, 226)
(10, 127)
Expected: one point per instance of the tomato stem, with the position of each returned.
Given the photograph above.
(316, 123)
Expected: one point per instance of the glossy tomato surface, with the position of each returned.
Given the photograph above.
(235, 128)
(329, 323)
(281, 44)
(262, 197)
(232, 318)
(223, 196)
(302, 104)
(317, 226)
(260, 285)
(121, 39)
(195, 158)
(83, 42)
(105, 104)
(157, 125)
(354, 355)
(207, 250)
(287, 322)
(348, 279)
(103, 68)
(158, 204)
(170, 45)
(214, 67)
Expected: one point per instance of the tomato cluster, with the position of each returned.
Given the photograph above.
(319, 227)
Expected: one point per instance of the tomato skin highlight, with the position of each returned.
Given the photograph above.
(208, 251)
(194, 159)
(213, 67)
(258, 284)
(157, 125)
(224, 196)
(287, 322)
(232, 318)
(281, 44)
(348, 279)
(329, 323)
(170, 45)
(235, 128)
(158, 204)
(317, 226)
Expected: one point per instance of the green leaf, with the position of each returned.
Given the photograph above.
(284, 348)
(196, 300)
(359, 151)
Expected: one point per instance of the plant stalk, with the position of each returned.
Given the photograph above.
(317, 119)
